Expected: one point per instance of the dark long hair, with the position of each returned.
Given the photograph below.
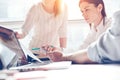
(96, 3)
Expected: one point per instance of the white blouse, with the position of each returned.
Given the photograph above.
(95, 33)
(47, 28)
(107, 48)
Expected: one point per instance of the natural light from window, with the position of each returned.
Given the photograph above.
(17, 9)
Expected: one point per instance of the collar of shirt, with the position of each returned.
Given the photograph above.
(98, 28)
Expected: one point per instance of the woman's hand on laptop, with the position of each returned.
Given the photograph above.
(19, 35)
(54, 53)
(55, 56)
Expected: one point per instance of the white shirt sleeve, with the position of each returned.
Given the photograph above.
(28, 21)
(63, 27)
(107, 48)
(95, 33)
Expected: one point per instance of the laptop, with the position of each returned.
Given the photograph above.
(14, 57)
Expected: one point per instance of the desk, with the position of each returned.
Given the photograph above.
(74, 72)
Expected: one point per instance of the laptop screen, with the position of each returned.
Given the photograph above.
(11, 51)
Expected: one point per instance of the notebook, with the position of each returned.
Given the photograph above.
(17, 59)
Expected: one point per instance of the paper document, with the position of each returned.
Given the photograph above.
(28, 52)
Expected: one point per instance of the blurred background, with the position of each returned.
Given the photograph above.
(13, 12)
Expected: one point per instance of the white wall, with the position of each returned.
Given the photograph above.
(76, 33)
(17, 9)
(77, 30)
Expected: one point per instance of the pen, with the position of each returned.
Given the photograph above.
(39, 49)
(35, 48)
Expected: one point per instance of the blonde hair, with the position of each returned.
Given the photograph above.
(59, 7)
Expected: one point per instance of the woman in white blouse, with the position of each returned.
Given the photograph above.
(105, 50)
(94, 13)
(48, 19)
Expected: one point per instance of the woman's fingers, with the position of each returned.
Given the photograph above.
(49, 48)
(55, 56)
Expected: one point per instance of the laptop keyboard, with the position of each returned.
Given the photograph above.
(39, 63)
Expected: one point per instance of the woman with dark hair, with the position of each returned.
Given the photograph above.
(105, 50)
(94, 13)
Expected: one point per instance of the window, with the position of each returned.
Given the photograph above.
(111, 6)
(17, 9)
(73, 10)
(14, 9)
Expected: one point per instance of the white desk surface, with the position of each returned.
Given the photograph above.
(74, 72)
